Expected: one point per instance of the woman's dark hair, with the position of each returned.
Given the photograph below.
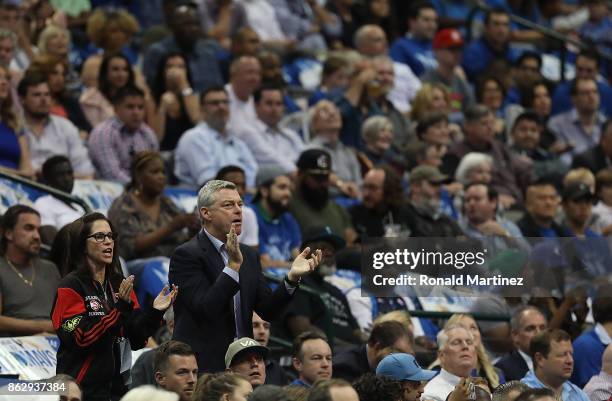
(372, 387)
(159, 83)
(482, 82)
(78, 256)
(61, 249)
(528, 94)
(104, 84)
(140, 160)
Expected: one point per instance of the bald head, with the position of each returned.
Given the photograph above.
(370, 41)
(606, 360)
(245, 76)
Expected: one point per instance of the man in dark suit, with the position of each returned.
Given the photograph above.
(600, 156)
(354, 362)
(526, 322)
(221, 282)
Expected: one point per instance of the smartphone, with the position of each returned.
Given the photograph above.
(471, 391)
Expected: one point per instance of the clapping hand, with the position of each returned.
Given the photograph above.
(233, 250)
(303, 265)
(165, 298)
(125, 289)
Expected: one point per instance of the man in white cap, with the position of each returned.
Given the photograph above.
(247, 357)
(405, 369)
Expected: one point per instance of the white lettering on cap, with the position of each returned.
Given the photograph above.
(322, 162)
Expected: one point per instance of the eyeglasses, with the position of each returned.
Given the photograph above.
(99, 237)
(220, 102)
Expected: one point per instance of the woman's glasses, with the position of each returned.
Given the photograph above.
(99, 237)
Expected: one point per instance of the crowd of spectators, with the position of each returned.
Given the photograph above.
(306, 129)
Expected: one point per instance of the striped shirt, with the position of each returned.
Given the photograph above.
(112, 146)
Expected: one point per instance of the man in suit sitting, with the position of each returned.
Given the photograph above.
(600, 156)
(525, 324)
(221, 281)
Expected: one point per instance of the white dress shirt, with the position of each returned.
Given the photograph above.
(440, 386)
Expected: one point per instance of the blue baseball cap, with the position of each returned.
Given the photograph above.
(403, 367)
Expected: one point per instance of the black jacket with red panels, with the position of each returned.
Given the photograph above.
(89, 322)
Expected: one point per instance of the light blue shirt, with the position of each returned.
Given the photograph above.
(571, 392)
(220, 247)
(202, 152)
(568, 129)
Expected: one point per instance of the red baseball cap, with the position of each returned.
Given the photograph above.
(447, 38)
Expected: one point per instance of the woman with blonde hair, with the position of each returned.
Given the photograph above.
(431, 97)
(484, 367)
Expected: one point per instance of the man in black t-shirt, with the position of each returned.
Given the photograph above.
(329, 312)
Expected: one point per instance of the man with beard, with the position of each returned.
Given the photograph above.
(27, 283)
(311, 205)
(308, 312)
(424, 218)
(48, 134)
(176, 369)
(279, 233)
(383, 211)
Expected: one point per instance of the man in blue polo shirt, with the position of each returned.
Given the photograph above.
(279, 232)
(414, 49)
(553, 363)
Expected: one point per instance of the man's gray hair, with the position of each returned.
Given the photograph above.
(470, 162)
(206, 196)
(443, 335)
(515, 320)
(372, 127)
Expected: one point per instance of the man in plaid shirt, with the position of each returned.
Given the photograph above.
(114, 142)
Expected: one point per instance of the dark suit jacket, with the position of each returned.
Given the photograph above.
(203, 310)
(513, 365)
(351, 364)
(594, 159)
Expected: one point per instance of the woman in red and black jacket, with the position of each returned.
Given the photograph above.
(96, 314)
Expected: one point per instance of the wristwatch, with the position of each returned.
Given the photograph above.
(292, 283)
(187, 92)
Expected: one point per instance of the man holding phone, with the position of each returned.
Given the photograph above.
(457, 355)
